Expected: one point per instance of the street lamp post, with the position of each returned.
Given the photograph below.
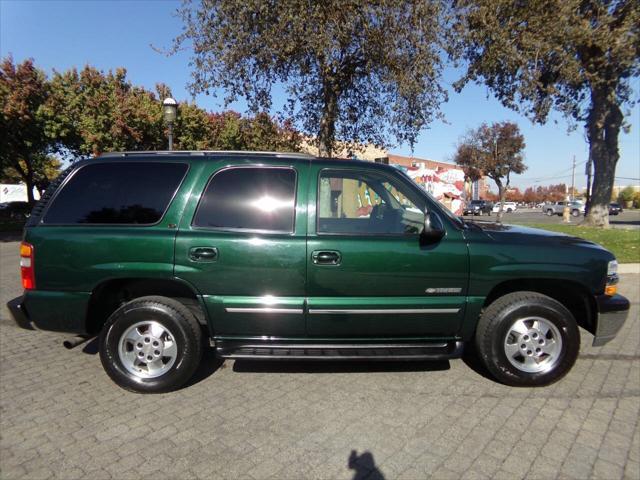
(169, 112)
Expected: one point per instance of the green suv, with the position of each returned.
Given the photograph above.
(289, 257)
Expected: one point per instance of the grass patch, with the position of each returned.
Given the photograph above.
(623, 243)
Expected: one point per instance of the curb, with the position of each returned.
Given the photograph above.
(629, 268)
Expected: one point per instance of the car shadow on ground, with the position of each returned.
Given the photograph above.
(6, 237)
(471, 359)
(351, 366)
(208, 365)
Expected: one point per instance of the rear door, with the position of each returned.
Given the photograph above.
(242, 244)
(368, 276)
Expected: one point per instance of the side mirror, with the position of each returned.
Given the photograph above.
(430, 234)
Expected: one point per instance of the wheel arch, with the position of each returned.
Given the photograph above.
(107, 296)
(573, 295)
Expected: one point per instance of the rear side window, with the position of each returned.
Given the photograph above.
(249, 198)
(117, 193)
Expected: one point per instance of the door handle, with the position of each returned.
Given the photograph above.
(326, 257)
(203, 254)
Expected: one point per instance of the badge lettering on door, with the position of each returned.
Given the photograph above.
(434, 291)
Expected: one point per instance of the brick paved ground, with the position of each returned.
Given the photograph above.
(60, 416)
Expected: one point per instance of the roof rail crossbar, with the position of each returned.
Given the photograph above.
(206, 152)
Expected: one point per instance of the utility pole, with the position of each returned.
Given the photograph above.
(573, 179)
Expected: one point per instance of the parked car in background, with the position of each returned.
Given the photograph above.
(478, 207)
(557, 208)
(268, 256)
(15, 210)
(615, 208)
(508, 207)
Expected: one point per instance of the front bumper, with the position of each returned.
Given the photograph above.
(612, 313)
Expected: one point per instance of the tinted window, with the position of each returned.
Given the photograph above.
(359, 202)
(117, 193)
(250, 199)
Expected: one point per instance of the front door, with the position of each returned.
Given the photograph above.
(367, 274)
(243, 247)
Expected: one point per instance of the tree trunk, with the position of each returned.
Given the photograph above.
(501, 194)
(29, 183)
(603, 127)
(26, 174)
(588, 172)
(326, 136)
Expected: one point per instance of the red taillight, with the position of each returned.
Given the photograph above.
(27, 266)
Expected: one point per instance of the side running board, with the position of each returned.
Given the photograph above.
(338, 351)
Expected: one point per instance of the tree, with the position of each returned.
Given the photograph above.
(513, 195)
(355, 71)
(45, 168)
(625, 197)
(91, 112)
(495, 151)
(577, 56)
(23, 91)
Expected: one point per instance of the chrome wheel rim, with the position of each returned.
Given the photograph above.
(533, 345)
(147, 349)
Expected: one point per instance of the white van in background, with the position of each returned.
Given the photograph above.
(508, 207)
(15, 193)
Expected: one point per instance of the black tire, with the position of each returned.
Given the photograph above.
(549, 212)
(575, 213)
(498, 318)
(171, 314)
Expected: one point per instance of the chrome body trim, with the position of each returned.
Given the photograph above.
(264, 310)
(374, 311)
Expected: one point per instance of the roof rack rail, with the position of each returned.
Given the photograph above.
(206, 152)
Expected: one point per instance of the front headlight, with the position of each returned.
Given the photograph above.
(612, 278)
(612, 268)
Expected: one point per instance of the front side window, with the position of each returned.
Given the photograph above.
(249, 198)
(365, 203)
(117, 193)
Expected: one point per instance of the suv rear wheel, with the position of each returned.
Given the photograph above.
(549, 212)
(151, 345)
(527, 339)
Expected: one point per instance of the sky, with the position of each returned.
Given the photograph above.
(60, 34)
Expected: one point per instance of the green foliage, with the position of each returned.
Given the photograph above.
(575, 56)
(543, 54)
(90, 112)
(636, 200)
(626, 195)
(354, 71)
(23, 92)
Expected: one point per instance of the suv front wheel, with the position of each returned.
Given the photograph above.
(151, 345)
(527, 339)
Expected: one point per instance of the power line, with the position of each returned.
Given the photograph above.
(627, 178)
(552, 176)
